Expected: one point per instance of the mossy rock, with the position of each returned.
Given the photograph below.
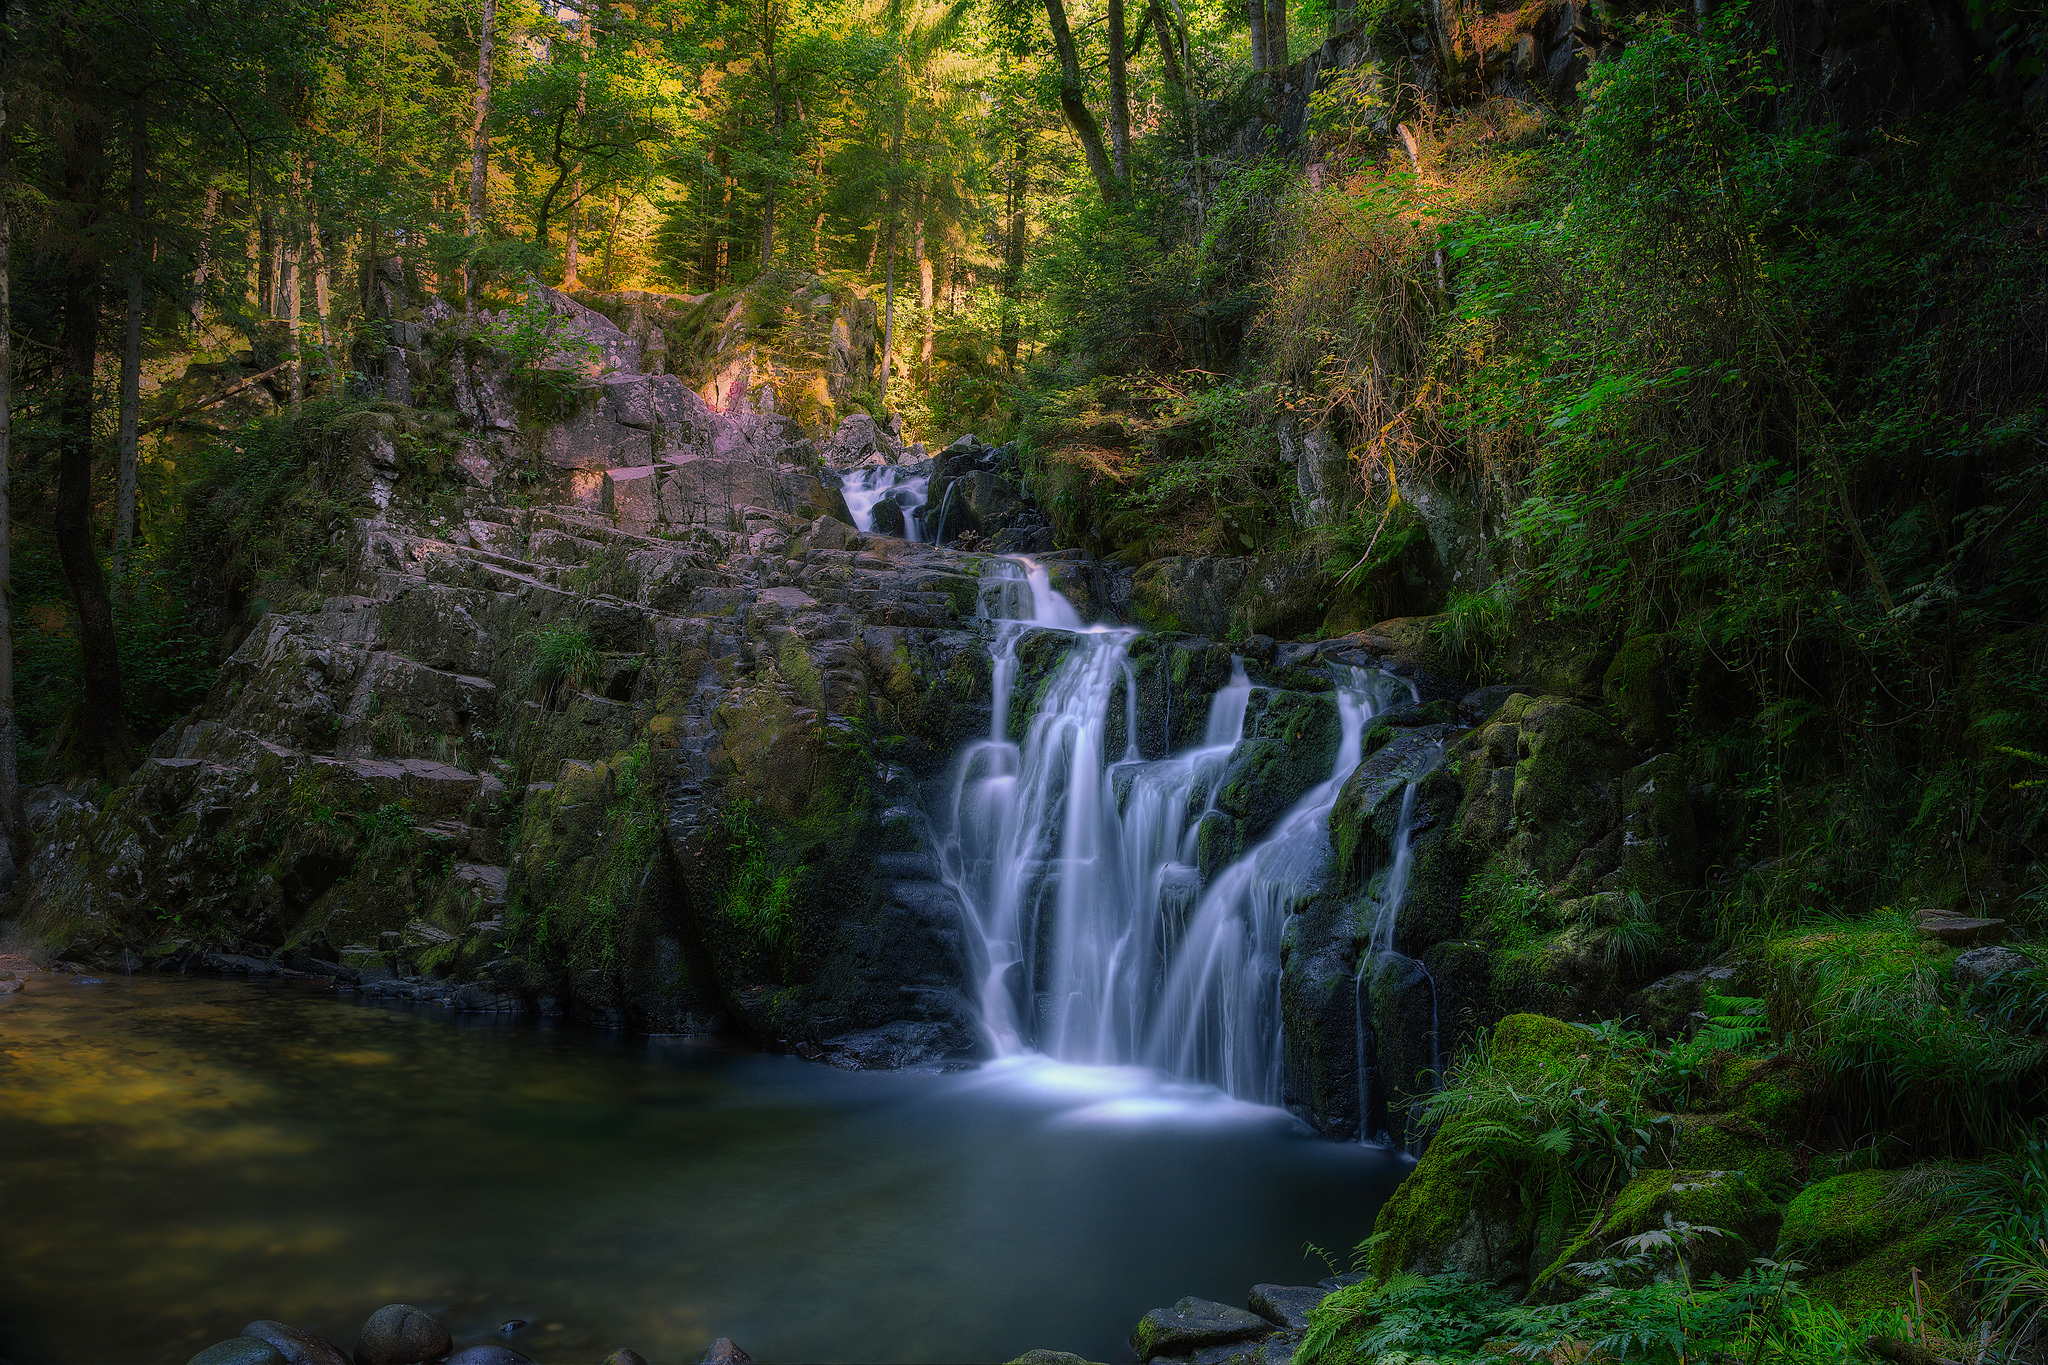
(1641, 689)
(1726, 1200)
(1776, 1093)
(1731, 1142)
(1861, 1236)
(1449, 1214)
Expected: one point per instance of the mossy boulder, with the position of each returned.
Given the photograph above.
(1862, 1235)
(1643, 688)
(1453, 1213)
(1744, 1219)
(1732, 1142)
(1290, 741)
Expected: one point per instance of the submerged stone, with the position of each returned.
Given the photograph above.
(400, 1334)
(1193, 1324)
(239, 1351)
(297, 1347)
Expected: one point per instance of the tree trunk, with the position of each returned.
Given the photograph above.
(1119, 96)
(888, 315)
(322, 296)
(10, 777)
(1075, 106)
(1013, 248)
(293, 251)
(924, 286)
(585, 39)
(479, 148)
(1260, 54)
(768, 191)
(99, 744)
(196, 306)
(266, 303)
(1276, 33)
(131, 349)
(611, 237)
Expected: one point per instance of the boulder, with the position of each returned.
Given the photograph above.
(622, 1356)
(1659, 1200)
(1192, 1325)
(1041, 1356)
(725, 1351)
(1959, 931)
(399, 1334)
(297, 1347)
(1863, 1234)
(244, 1350)
(1981, 964)
(1286, 1305)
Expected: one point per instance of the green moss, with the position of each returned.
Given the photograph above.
(1885, 1277)
(1725, 1199)
(1723, 1142)
(1774, 1092)
(1637, 689)
(1844, 1219)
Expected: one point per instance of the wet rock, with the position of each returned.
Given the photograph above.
(489, 1354)
(10, 986)
(1959, 931)
(1981, 964)
(297, 1347)
(1286, 1305)
(622, 1356)
(1277, 1349)
(1344, 1281)
(1192, 1325)
(725, 1351)
(905, 1043)
(1041, 1356)
(239, 1351)
(400, 1334)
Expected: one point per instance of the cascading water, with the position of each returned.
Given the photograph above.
(1099, 944)
(1390, 896)
(866, 488)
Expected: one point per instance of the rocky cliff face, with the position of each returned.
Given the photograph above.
(606, 708)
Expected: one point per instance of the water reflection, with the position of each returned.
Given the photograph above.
(184, 1156)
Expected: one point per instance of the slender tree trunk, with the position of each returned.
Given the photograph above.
(322, 295)
(100, 742)
(131, 349)
(196, 306)
(924, 287)
(266, 299)
(10, 776)
(479, 148)
(779, 117)
(611, 237)
(1261, 54)
(1074, 105)
(585, 39)
(293, 251)
(1119, 96)
(888, 315)
(1013, 247)
(1276, 33)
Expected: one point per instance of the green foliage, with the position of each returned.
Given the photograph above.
(2006, 1215)
(1570, 1130)
(562, 662)
(759, 900)
(550, 358)
(1444, 1317)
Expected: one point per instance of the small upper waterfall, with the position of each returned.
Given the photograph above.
(867, 487)
(1099, 942)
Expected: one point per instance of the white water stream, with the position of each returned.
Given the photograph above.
(1100, 945)
(869, 486)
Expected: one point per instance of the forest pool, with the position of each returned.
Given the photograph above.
(178, 1157)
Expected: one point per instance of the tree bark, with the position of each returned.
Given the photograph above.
(1276, 33)
(1074, 105)
(889, 289)
(99, 744)
(293, 250)
(585, 39)
(195, 307)
(265, 306)
(924, 286)
(479, 148)
(131, 349)
(10, 777)
(1016, 223)
(1119, 96)
(780, 117)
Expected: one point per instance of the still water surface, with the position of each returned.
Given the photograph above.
(180, 1157)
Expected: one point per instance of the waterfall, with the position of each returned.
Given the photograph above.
(1378, 949)
(867, 487)
(1098, 942)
